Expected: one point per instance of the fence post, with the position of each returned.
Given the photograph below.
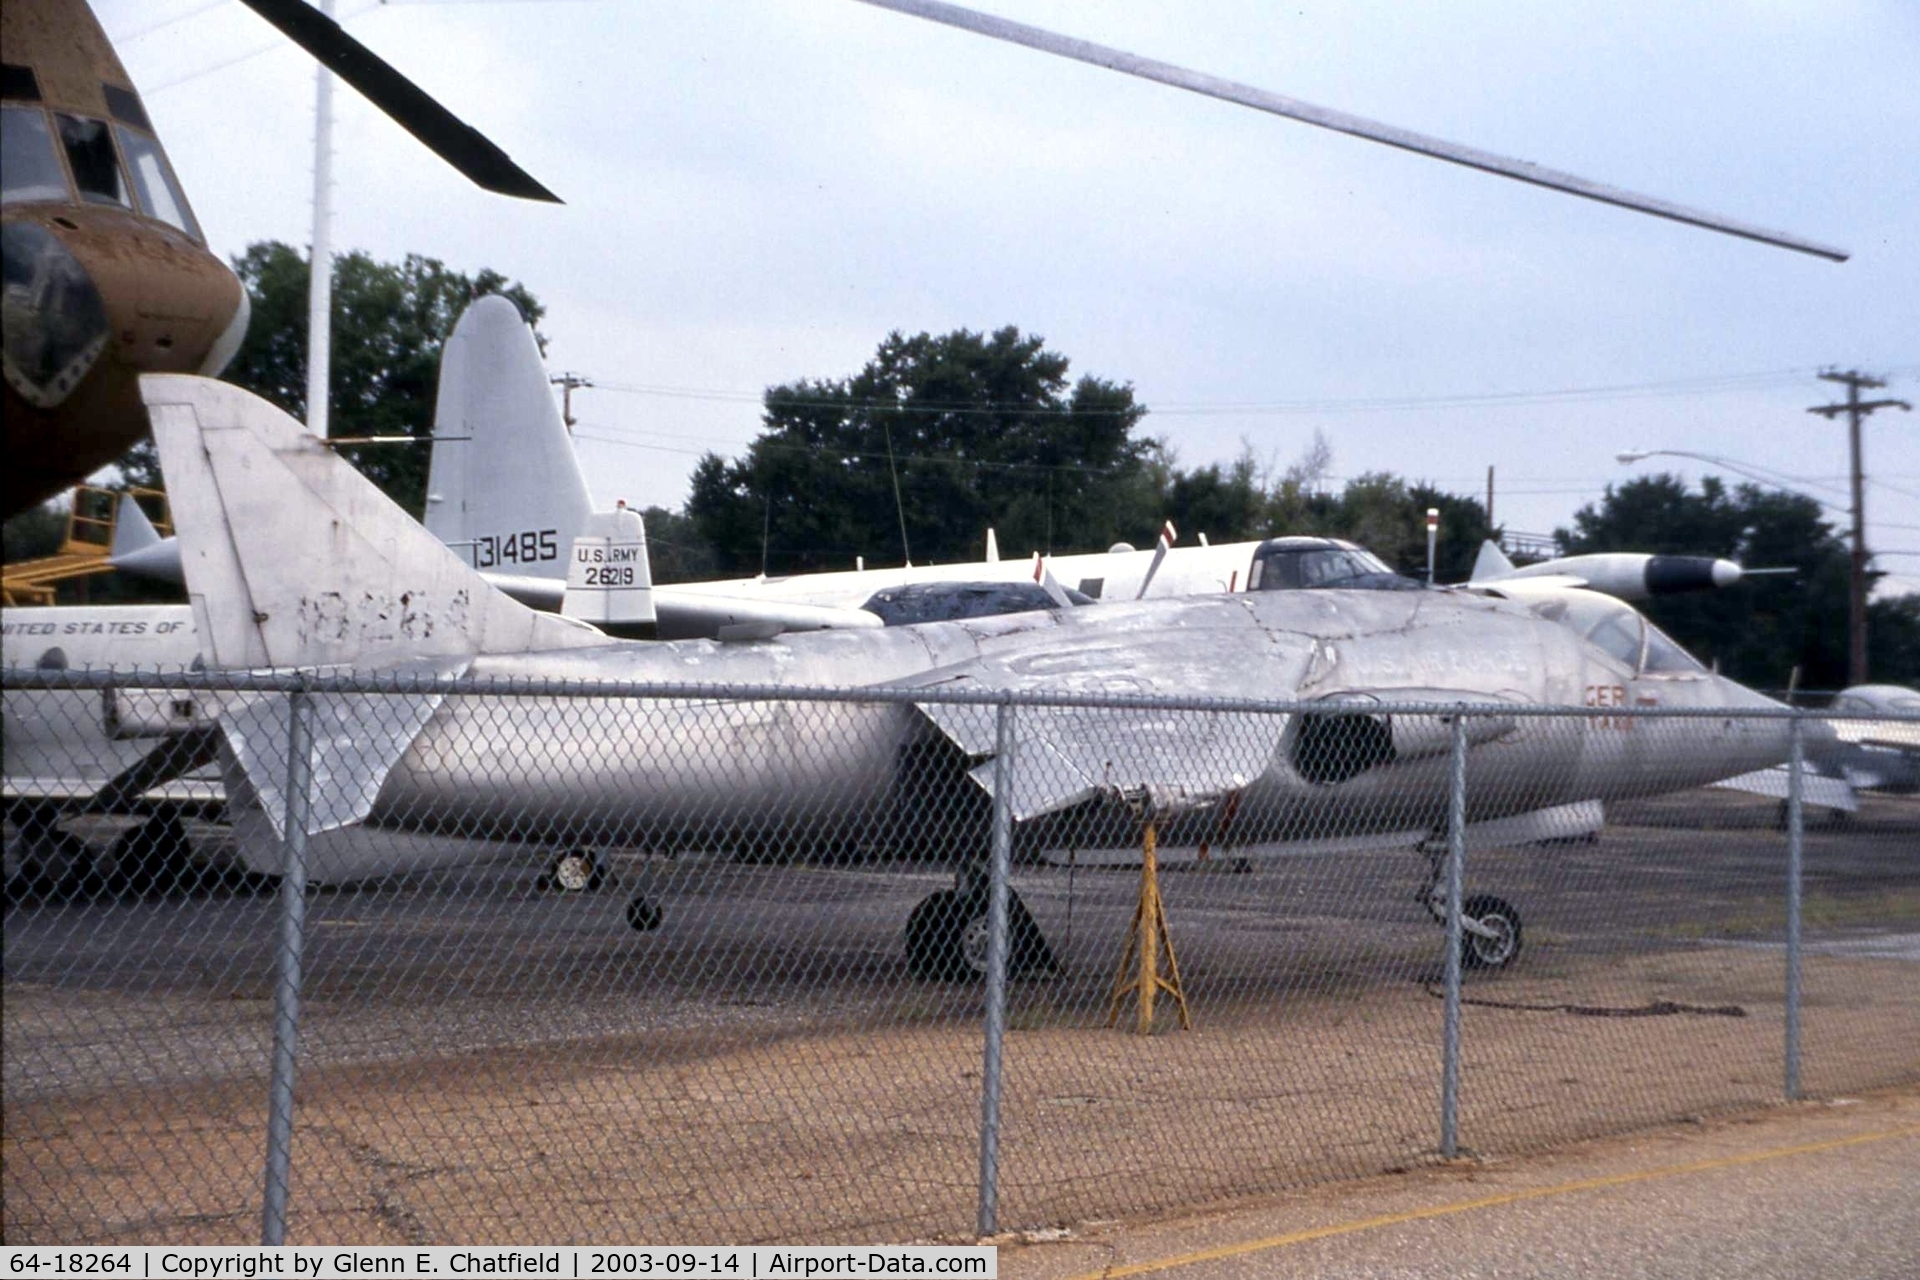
(286, 970)
(998, 894)
(1796, 758)
(1456, 886)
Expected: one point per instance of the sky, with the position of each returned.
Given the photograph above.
(760, 190)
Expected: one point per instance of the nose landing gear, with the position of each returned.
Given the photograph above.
(1490, 928)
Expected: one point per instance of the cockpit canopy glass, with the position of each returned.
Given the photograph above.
(1862, 704)
(1309, 564)
(29, 166)
(1620, 631)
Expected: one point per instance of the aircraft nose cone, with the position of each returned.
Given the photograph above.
(56, 324)
(1726, 573)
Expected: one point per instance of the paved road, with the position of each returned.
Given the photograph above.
(1829, 1190)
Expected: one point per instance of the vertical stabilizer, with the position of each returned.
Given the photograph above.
(1491, 563)
(505, 489)
(293, 558)
(609, 577)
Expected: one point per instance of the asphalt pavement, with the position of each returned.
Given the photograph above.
(1829, 1189)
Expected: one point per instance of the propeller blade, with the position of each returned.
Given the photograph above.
(445, 134)
(1293, 109)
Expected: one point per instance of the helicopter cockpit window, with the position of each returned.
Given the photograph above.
(96, 169)
(153, 182)
(29, 166)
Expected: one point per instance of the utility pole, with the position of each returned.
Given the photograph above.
(320, 255)
(567, 382)
(1855, 408)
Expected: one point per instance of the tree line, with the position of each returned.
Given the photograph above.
(940, 437)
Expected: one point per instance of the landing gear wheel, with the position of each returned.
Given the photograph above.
(642, 915)
(154, 857)
(1499, 950)
(948, 933)
(576, 871)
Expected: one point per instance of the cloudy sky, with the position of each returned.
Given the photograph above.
(759, 190)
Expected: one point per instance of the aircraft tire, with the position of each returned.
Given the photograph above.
(154, 857)
(643, 914)
(575, 871)
(1477, 952)
(947, 938)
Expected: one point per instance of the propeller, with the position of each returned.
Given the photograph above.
(445, 134)
(995, 28)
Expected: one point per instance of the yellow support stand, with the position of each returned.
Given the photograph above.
(1147, 941)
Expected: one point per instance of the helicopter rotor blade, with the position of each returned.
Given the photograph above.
(410, 106)
(1293, 109)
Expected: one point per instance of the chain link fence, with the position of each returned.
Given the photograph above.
(324, 959)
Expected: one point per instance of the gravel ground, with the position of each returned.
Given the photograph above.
(482, 1060)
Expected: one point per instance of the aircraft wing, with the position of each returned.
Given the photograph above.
(700, 615)
(1174, 760)
(1537, 585)
(686, 615)
(1068, 755)
(1815, 788)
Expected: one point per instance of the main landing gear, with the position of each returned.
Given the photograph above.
(574, 871)
(152, 858)
(948, 933)
(580, 871)
(1490, 928)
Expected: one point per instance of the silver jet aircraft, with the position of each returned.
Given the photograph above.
(295, 561)
(1858, 749)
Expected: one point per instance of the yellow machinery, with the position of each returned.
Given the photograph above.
(88, 543)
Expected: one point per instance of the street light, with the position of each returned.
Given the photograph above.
(1773, 479)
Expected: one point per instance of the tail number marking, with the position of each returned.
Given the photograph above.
(528, 546)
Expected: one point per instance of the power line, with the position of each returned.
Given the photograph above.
(1717, 384)
(250, 55)
(164, 23)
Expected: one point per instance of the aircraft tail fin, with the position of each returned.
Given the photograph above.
(505, 488)
(610, 577)
(1491, 563)
(293, 558)
(132, 531)
(138, 548)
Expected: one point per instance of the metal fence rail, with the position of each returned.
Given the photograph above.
(598, 963)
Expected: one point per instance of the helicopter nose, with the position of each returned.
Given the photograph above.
(56, 324)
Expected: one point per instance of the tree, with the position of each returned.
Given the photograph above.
(390, 322)
(675, 550)
(1762, 629)
(914, 457)
(1227, 505)
(36, 532)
